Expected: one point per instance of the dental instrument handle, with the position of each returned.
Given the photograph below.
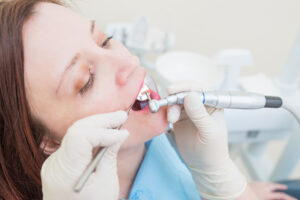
(222, 99)
(92, 165)
(89, 170)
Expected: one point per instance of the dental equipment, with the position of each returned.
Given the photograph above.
(140, 103)
(222, 99)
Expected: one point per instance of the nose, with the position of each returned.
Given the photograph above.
(125, 68)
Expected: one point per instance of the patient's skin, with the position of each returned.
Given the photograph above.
(52, 37)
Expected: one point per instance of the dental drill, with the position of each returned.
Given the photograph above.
(221, 99)
(217, 99)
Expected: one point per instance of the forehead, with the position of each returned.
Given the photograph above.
(52, 36)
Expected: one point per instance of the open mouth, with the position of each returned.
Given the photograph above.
(142, 99)
(144, 96)
(139, 105)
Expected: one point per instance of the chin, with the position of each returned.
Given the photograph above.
(144, 126)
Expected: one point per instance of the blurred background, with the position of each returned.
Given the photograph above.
(265, 30)
(268, 28)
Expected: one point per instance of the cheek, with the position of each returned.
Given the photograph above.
(63, 116)
(144, 126)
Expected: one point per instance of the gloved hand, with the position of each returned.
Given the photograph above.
(63, 168)
(201, 137)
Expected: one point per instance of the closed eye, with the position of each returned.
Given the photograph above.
(89, 83)
(104, 44)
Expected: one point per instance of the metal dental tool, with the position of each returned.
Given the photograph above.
(222, 99)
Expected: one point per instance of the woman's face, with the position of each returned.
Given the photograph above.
(70, 74)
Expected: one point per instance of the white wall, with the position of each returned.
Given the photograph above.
(267, 27)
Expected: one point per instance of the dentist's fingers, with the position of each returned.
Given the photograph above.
(199, 116)
(109, 137)
(108, 161)
(83, 140)
(104, 120)
(174, 113)
(186, 86)
(77, 146)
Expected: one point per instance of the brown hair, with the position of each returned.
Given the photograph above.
(20, 135)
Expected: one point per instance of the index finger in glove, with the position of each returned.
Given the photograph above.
(186, 86)
(94, 131)
(174, 112)
(104, 120)
(85, 139)
(77, 146)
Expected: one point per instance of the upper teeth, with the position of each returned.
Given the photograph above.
(142, 94)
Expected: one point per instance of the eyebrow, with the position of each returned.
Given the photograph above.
(74, 59)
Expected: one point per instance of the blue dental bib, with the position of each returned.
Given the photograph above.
(163, 175)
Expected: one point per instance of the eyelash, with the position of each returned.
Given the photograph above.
(105, 43)
(90, 82)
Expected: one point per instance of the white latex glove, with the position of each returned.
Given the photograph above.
(63, 168)
(201, 137)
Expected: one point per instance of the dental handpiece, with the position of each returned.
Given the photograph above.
(222, 99)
